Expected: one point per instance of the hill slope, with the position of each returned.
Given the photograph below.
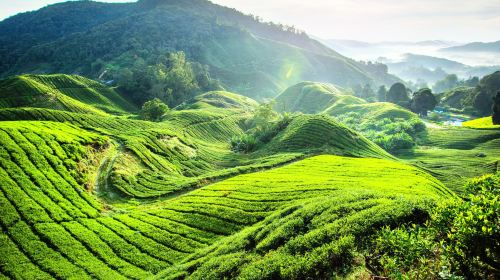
(53, 228)
(62, 92)
(219, 37)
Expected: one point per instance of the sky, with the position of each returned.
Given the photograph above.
(365, 20)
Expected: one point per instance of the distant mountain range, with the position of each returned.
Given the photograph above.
(492, 47)
(428, 60)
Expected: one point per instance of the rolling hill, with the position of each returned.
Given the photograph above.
(62, 92)
(317, 98)
(221, 38)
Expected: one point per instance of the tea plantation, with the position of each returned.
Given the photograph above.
(90, 191)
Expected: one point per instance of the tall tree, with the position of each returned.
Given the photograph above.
(423, 100)
(153, 110)
(398, 94)
(496, 109)
(381, 93)
(449, 82)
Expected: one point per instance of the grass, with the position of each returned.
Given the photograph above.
(481, 123)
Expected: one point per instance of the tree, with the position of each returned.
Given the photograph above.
(423, 100)
(381, 93)
(398, 94)
(482, 102)
(264, 114)
(153, 110)
(367, 93)
(450, 81)
(496, 109)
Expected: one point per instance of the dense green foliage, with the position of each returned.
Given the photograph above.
(392, 134)
(172, 79)
(398, 94)
(476, 100)
(422, 101)
(462, 239)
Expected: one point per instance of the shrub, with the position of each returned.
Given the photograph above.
(245, 143)
(461, 240)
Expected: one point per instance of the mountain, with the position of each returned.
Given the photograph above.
(98, 40)
(427, 61)
(491, 47)
(417, 67)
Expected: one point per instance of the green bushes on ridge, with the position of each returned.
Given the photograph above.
(460, 241)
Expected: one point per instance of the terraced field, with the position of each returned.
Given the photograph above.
(190, 147)
(53, 228)
(111, 197)
(455, 154)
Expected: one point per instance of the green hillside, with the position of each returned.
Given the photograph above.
(52, 227)
(191, 147)
(251, 57)
(388, 125)
(100, 196)
(315, 98)
(182, 140)
(62, 92)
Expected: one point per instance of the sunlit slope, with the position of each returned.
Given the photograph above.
(315, 98)
(312, 98)
(312, 214)
(53, 227)
(62, 92)
(481, 123)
